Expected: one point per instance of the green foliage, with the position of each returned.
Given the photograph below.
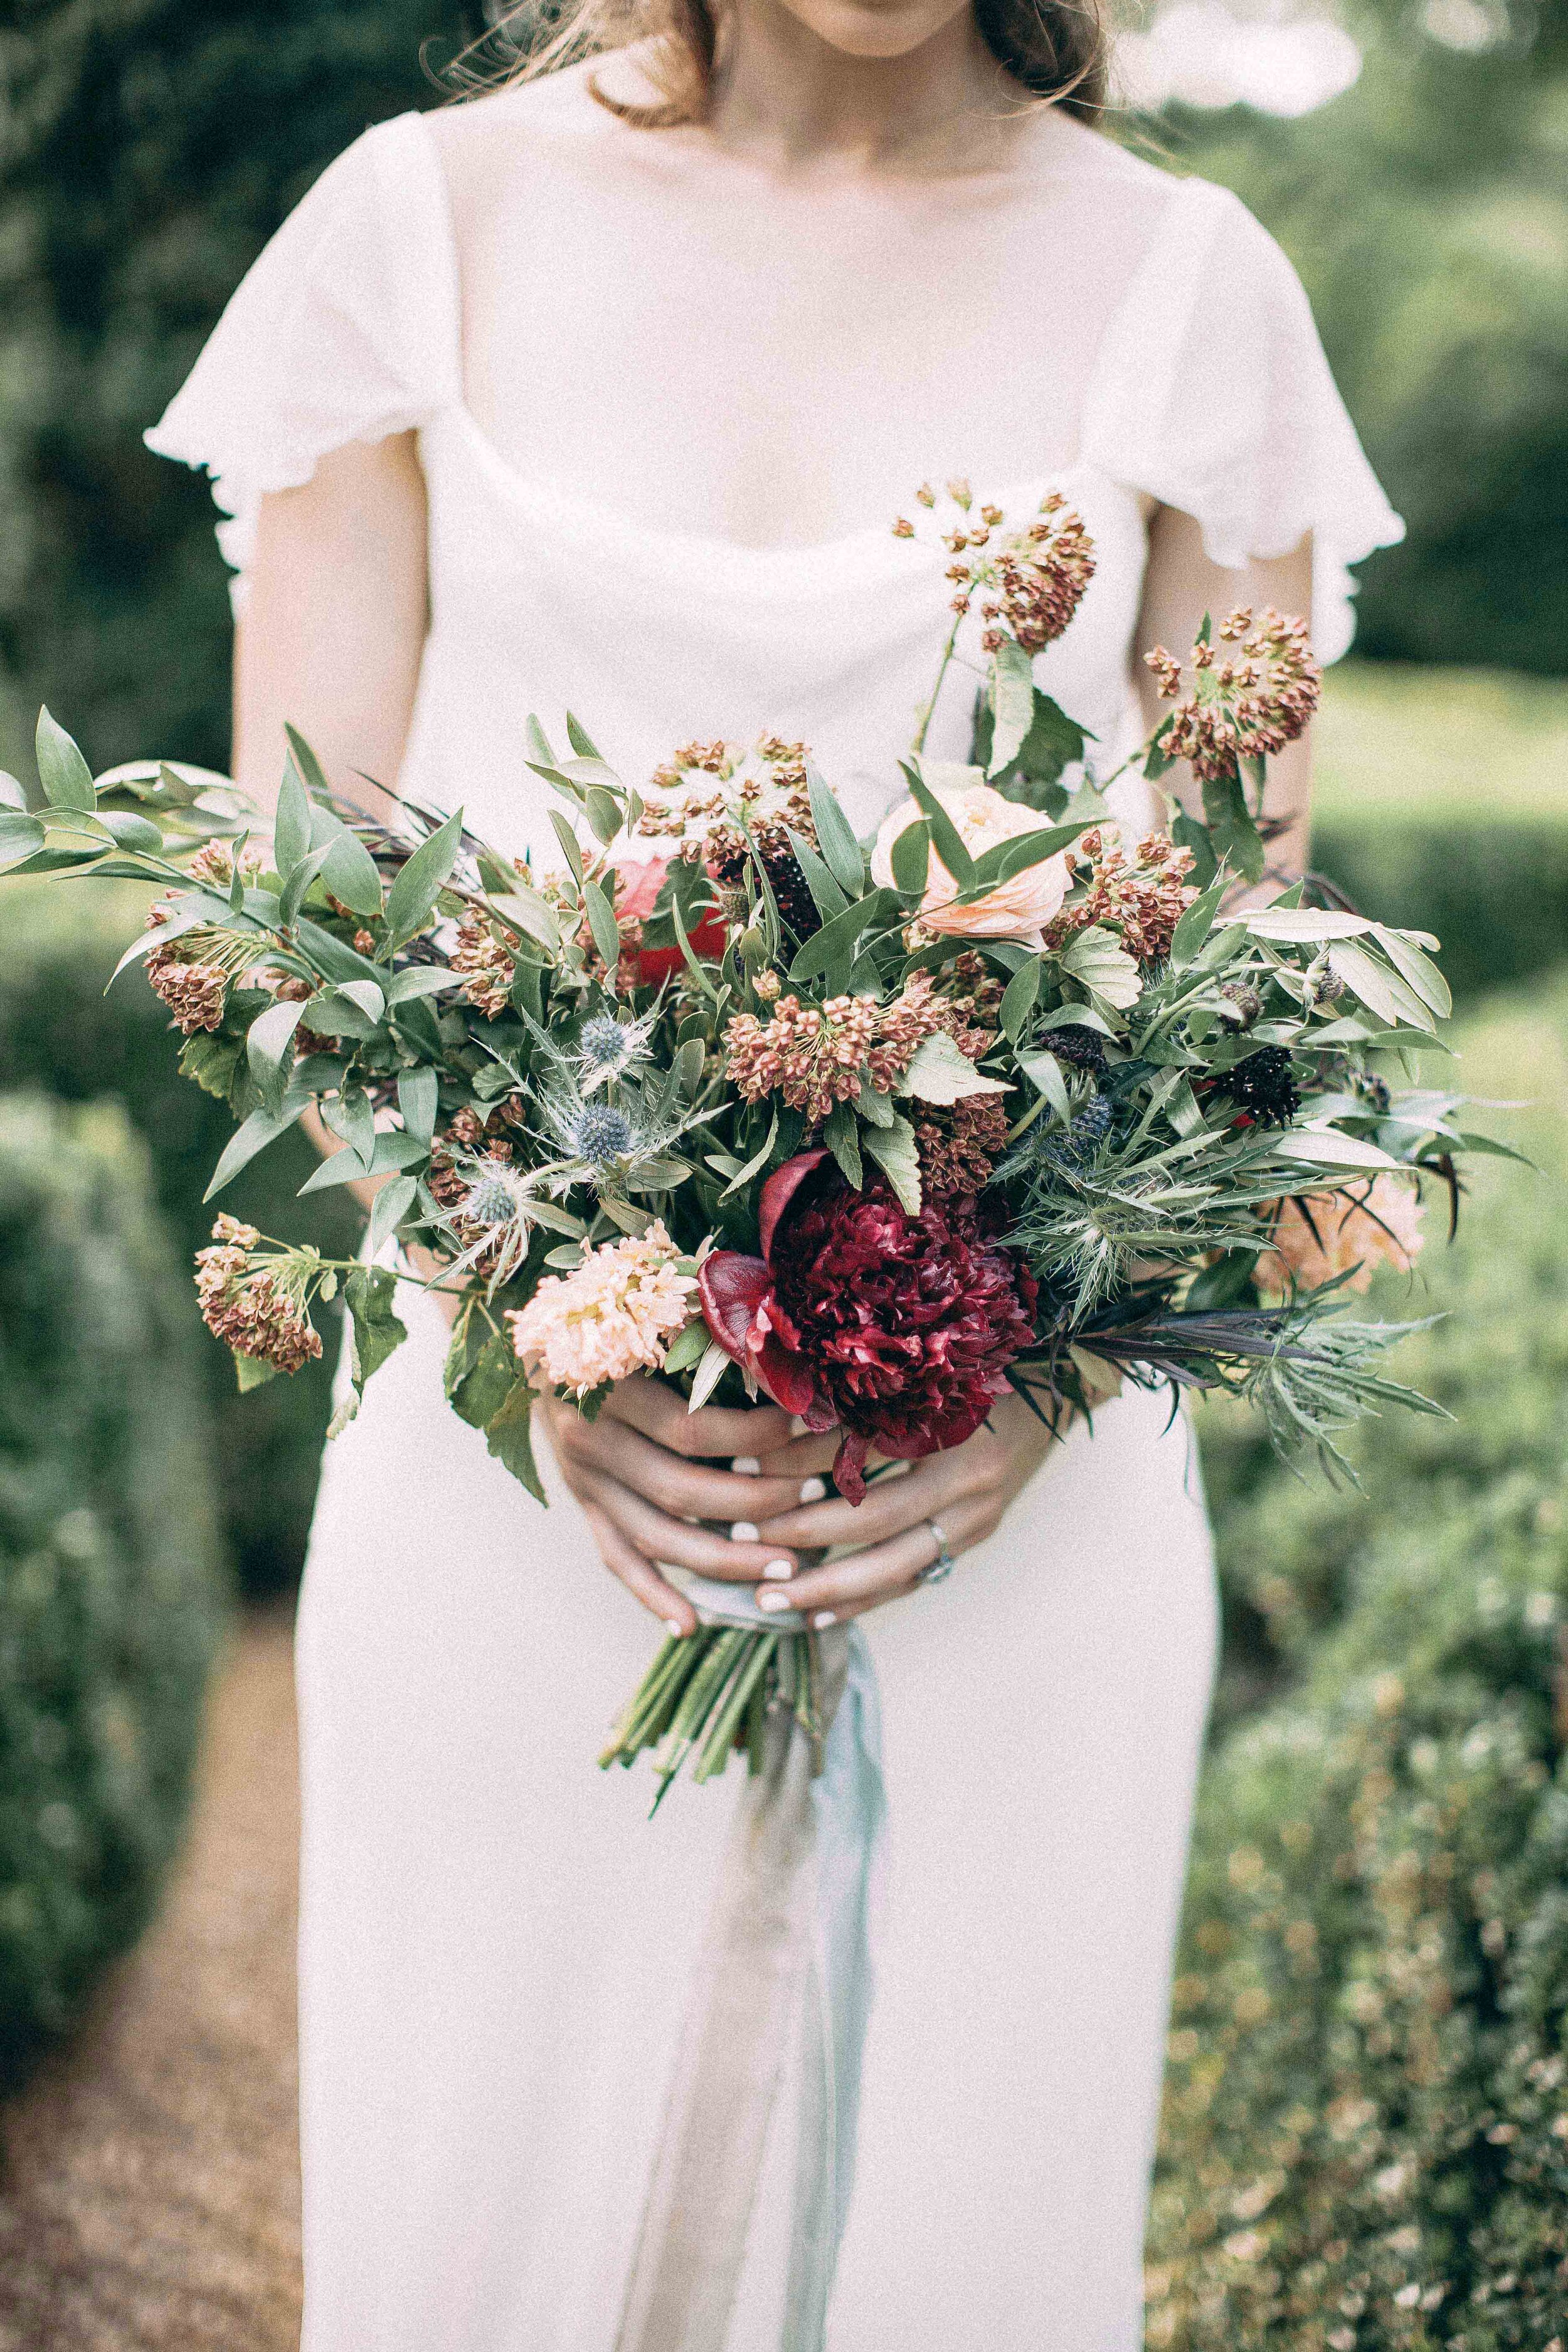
(1366, 2132)
(150, 147)
(1441, 802)
(59, 1032)
(1427, 211)
(109, 1584)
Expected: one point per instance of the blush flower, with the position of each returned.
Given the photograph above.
(615, 1314)
(900, 1329)
(1326, 1235)
(1018, 910)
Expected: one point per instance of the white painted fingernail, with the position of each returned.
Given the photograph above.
(673, 1625)
(814, 1490)
(823, 1617)
(774, 1601)
(742, 1532)
(746, 1466)
(776, 1569)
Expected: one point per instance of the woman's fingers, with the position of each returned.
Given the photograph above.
(848, 1587)
(639, 1575)
(687, 1490)
(804, 1458)
(890, 1505)
(659, 1410)
(658, 1537)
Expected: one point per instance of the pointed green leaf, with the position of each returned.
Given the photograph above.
(1012, 703)
(602, 922)
(1018, 998)
(418, 980)
(829, 899)
(388, 1209)
(350, 874)
(20, 836)
(291, 822)
(419, 882)
(313, 775)
(571, 848)
(911, 858)
(509, 1437)
(65, 775)
(375, 1332)
(836, 837)
(267, 1046)
(417, 1096)
(896, 1154)
(582, 742)
(950, 846)
(262, 1128)
(841, 1133)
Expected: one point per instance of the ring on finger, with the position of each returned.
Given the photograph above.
(943, 1565)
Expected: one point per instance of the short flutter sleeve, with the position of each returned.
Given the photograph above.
(344, 329)
(1213, 394)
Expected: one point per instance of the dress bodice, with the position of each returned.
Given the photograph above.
(349, 327)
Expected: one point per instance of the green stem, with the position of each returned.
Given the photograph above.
(927, 713)
(753, 1665)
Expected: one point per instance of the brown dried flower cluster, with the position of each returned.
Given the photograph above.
(959, 1146)
(215, 861)
(487, 969)
(193, 974)
(1030, 583)
(1143, 898)
(255, 1306)
(1247, 705)
(712, 797)
(815, 1057)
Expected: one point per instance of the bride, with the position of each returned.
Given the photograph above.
(603, 389)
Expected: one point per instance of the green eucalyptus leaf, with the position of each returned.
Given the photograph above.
(21, 836)
(267, 1045)
(602, 923)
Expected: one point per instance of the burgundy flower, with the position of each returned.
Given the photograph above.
(900, 1329)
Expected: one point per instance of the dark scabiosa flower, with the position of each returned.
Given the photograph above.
(899, 1328)
(1264, 1086)
(1084, 1048)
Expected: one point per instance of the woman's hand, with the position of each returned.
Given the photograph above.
(965, 1491)
(646, 1468)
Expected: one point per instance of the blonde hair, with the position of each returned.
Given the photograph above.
(1057, 49)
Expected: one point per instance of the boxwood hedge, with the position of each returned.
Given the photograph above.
(110, 1577)
(1365, 2142)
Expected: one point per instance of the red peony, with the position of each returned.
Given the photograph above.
(900, 1329)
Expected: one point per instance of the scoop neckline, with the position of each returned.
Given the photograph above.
(730, 557)
(714, 547)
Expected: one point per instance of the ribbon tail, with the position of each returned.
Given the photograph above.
(849, 1811)
(792, 1923)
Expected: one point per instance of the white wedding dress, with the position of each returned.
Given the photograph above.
(498, 1947)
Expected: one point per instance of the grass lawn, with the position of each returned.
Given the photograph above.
(1406, 742)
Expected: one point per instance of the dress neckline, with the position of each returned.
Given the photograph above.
(733, 560)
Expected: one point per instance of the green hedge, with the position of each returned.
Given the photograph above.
(1365, 2141)
(109, 1576)
(61, 1032)
(1495, 891)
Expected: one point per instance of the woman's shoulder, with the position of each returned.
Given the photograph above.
(553, 107)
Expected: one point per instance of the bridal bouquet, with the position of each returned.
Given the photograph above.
(1000, 1100)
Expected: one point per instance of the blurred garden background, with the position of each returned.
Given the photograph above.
(1366, 2135)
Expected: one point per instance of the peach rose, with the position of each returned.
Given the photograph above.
(1018, 910)
(1346, 1229)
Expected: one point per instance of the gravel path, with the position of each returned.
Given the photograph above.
(150, 2195)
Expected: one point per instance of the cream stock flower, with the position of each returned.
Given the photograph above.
(1018, 910)
(614, 1316)
(1328, 1233)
